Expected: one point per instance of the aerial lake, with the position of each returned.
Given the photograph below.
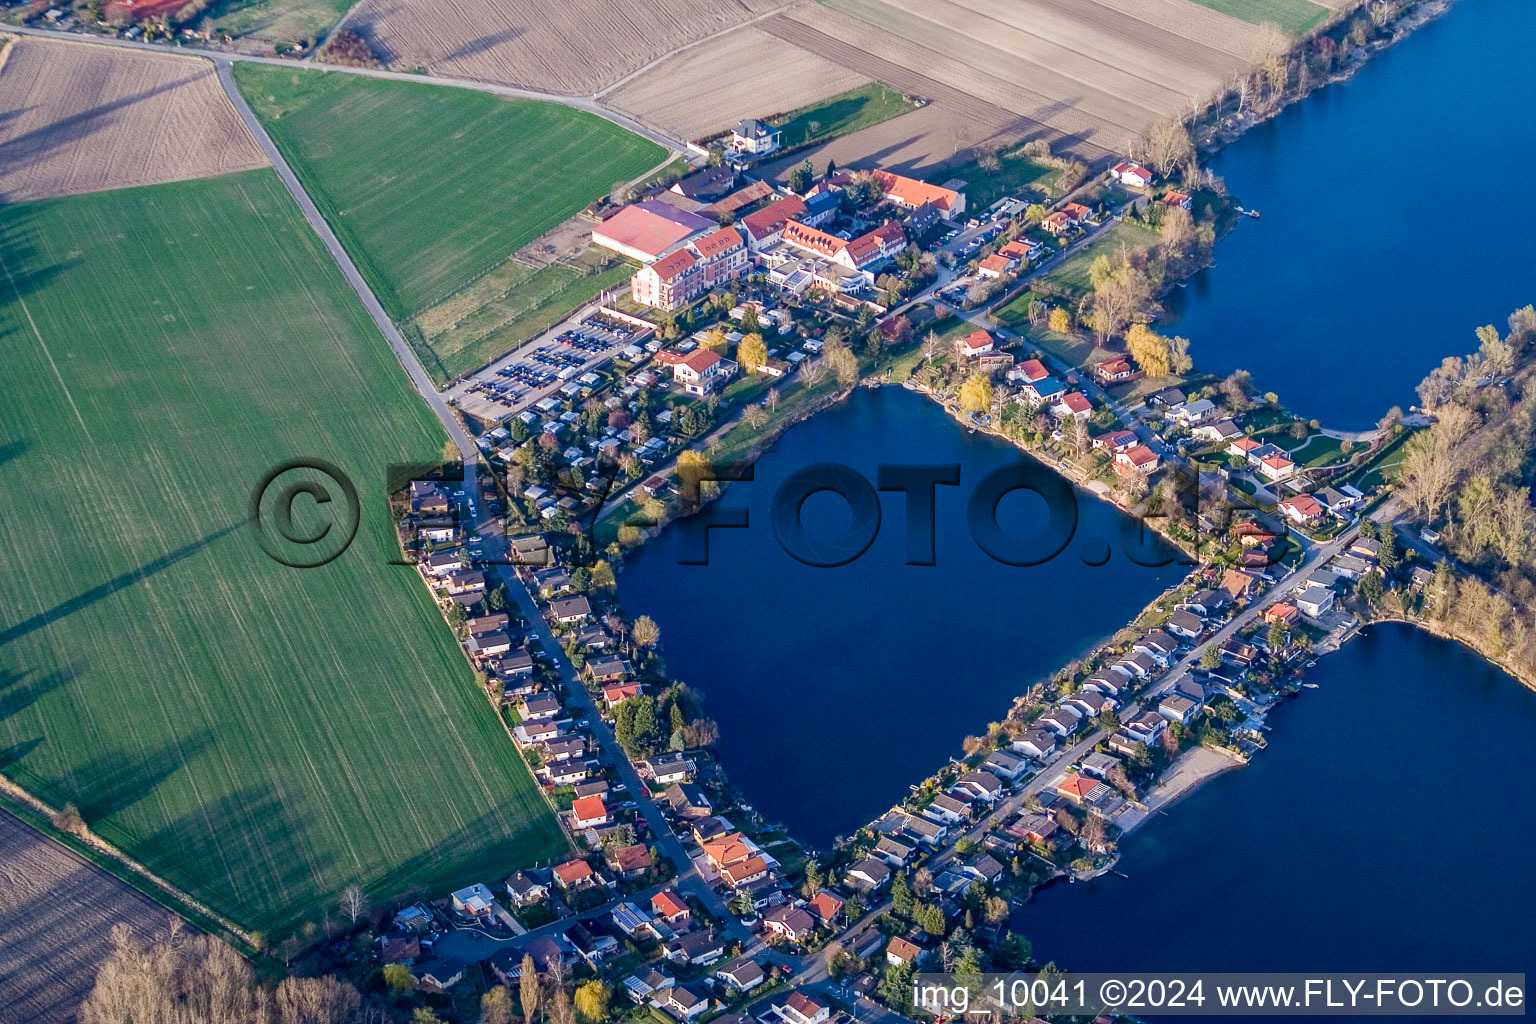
(1385, 828)
(1363, 271)
(838, 688)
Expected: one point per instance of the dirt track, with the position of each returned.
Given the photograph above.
(81, 118)
(55, 913)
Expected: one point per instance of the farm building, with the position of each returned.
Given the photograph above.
(649, 230)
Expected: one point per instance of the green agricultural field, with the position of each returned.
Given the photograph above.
(507, 307)
(430, 187)
(261, 736)
(843, 114)
(1294, 16)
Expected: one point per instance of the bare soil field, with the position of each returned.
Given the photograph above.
(81, 118)
(56, 911)
(703, 89)
(1088, 75)
(574, 48)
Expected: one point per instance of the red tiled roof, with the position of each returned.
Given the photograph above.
(668, 903)
(997, 263)
(1277, 462)
(770, 218)
(1141, 455)
(573, 871)
(1015, 249)
(911, 192)
(1303, 505)
(745, 869)
(721, 241)
(977, 339)
(1032, 370)
(673, 264)
(814, 239)
(1078, 786)
(586, 808)
(1076, 402)
(1246, 444)
(638, 228)
(701, 360)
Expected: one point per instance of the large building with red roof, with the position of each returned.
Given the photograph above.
(911, 193)
(649, 230)
(688, 272)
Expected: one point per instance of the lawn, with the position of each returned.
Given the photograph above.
(516, 302)
(1017, 175)
(261, 736)
(278, 21)
(843, 114)
(430, 187)
(1015, 312)
(1072, 272)
(1294, 16)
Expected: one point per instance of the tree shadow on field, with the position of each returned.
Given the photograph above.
(17, 695)
(112, 781)
(22, 273)
(10, 450)
(475, 47)
(114, 585)
(251, 855)
(73, 130)
(459, 858)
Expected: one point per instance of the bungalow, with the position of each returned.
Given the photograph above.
(565, 773)
(1185, 624)
(1315, 601)
(541, 707)
(947, 810)
(475, 901)
(1061, 720)
(1099, 764)
(1090, 703)
(594, 947)
(983, 867)
(1116, 440)
(1028, 372)
(439, 975)
(1220, 430)
(1368, 548)
(1178, 708)
(976, 343)
(524, 890)
(1277, 467)
(927, 832)
(570, 609)
(900, 951)
(700, 947)
(1111, 371)
(1123, 742)
(980, 786)
(1081, 789)
(1243, 447)
(1302, 509)
(666, 769)
(1191, 413)
(1137, 460)
(1208, 602)
(1005, 765)
(610, 668)
(826, 906)
(688, 800)
(791, 923)
(466, 583)
(1177, 200)
(670, 907)
(1034, 828)
(1350, 567)
(1168, 396)
(893, 851)
(533, 733)
(1280, 612)
(1137, 665)
(727, 850)
(1107, 682)
(1073, 404)
(440, 564)
(868, 875)
(1077, 211)
(613, 693)
(744, 873)
(1042, 390)
(1128, 172)
(1341, 499)
(589, 812)
(574, 874)
(1158, 646)
(1238, 584)
(742, 974)
(1038, 742)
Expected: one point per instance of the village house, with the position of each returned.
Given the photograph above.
(1090, 703)
(703, 371)
(744, 872)
(607, 669)
(1113, 371)
(1315, 601)
(900, 951)
(1034, 828)
(979, 785)
(1038, 742)
(1128, 172)
(574, 875)
(1005, 765)
(699, 947)
(1082, 789)
(947, 810)
(1147, 727)
(911, 193)
(753, 137)
(1177, 200)
(476, 901)
(1208, 601)
(570, 610)
(1028, 371)
(646, 983)
(791, 923)
(1158, 646)
(668, 768)
(1107, 681)
(687, 801)
(1304, 510)
(1061, 720)
(524, 890)
(977, 343)
(799, 1007)
(868, 875)
(996, 265)
(613, 693)
(589, 812)
(1178, 708)
(634, 922)
(671, 908)
(1137, 460)
(893, 851)
(742, 974)
(766, 226)
(1185, 624)
(1057, 223)
(1073, 404)
(826, 907)
(1116, 441)
(1280, 611)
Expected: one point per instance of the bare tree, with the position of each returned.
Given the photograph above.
(354, 903)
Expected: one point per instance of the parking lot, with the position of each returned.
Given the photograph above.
(516, 381)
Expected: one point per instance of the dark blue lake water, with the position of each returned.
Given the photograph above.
(1396, 219)
(1373, 835)
(838, 688)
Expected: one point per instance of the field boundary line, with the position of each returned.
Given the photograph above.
(21, 301)
(605, 90)
(161, 891)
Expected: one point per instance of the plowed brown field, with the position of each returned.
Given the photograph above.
(81, 118)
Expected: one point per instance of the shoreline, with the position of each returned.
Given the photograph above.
(1188, 772)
